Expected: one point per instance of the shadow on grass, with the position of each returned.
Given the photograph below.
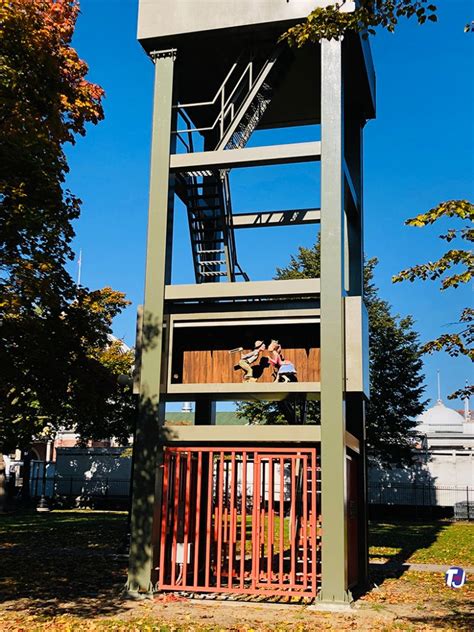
(62, 562)
(396, 543)
(455, 620)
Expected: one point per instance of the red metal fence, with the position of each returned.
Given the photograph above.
(240, 520)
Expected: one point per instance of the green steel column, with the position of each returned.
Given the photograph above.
(148, 455)
(363, 508)
(205, 412)
(356, 405)
(354, 214)
(333, 466)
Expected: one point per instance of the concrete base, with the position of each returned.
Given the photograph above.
(132, 595)
(329, 606)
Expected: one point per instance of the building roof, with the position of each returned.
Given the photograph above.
(187, 419)
(440, 418)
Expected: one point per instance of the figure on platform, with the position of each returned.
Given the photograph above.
(283, 370)
(247, 359)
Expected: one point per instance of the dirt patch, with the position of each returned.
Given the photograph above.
(415, 601)
(61, 573)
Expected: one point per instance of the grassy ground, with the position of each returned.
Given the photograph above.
(60, 572)
(434, 543)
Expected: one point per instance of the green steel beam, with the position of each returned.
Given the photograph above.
(148, 454)
(209, 434)
(333, 450)
(243, 289)
(247, 157)
(271, 391)
(262, 219)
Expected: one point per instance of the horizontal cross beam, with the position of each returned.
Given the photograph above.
(277, 218)
(243, 289)
(246, 157)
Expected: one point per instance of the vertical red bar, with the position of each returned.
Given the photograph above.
(261, 523)
(235, 512)
(256, 521)
(198, 517)
(225, 497)
(220, 490)
(293, 535)
(210, 502)
(187, 516)
(305, 521)
(164, 514)
(282, 521)
(243, 519)
(314, 533)
(270, 521)
(233, 479)
(176, 490)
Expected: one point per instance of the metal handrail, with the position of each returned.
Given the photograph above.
(226, 103)
(191, 105)
(190, 144)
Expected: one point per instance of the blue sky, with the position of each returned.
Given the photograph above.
(418, 152)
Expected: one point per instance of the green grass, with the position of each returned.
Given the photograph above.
(439, 542)
(59, 554)
(67, 557)
(90, 529)
(63, 564)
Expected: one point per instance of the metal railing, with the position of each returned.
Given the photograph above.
(239, 520)
(415, 495)
(97, 487)
(419, 495)
(227, 104)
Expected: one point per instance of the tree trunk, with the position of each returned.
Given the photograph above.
(3, 480)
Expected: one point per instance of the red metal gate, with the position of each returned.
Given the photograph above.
(240, 520)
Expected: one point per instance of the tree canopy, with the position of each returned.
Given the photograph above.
(395, 372)
(366, 17)
(333, 21)
(454, 268)
(58, 366)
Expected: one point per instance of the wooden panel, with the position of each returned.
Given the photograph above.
(220, 367)
(201, 355)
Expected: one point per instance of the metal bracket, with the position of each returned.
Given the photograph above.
(161, 54)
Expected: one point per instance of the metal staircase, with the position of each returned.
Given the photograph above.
(253, 107)
(210, 226)
(206, 194)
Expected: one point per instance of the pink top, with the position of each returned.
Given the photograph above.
(275, 358)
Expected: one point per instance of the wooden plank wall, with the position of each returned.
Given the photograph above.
(201, 355)
(217, 366)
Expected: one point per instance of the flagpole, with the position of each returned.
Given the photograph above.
(79, 267)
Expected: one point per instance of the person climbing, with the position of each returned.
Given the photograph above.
(247, 359)
(283, 370)
(274, 357)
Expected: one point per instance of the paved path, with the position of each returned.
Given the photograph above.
(428, 568)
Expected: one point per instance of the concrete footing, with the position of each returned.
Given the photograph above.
(329, 606)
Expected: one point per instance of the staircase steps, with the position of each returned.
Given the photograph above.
(206, 193)
(252, 109)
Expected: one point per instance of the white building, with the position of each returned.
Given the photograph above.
(450, 445)
(443, 470)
